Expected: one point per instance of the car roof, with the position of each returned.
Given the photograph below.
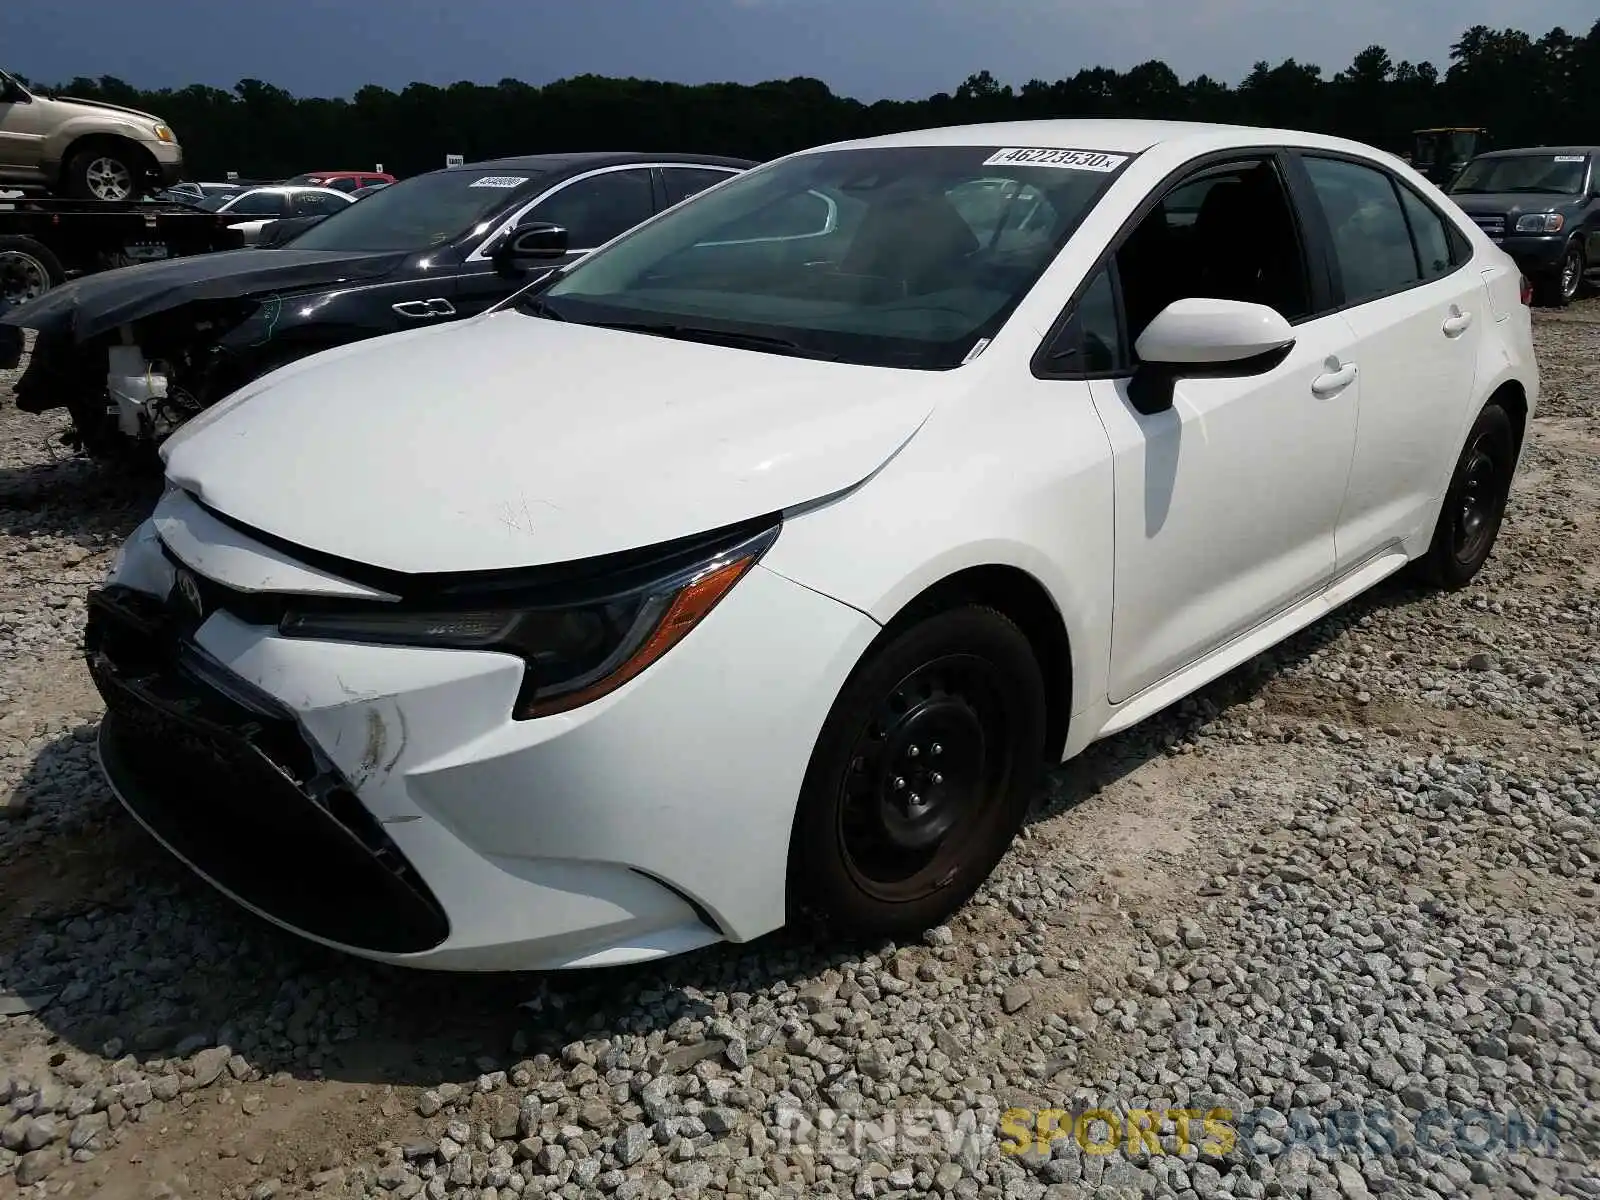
(1513, 151)
(288, 188)
(554, 164)
(1111, 136)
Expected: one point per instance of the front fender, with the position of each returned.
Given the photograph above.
(58, 145)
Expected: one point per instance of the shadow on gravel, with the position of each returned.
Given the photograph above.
(135, 956)
(73, 496)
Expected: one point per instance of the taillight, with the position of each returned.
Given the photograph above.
(1527, 291)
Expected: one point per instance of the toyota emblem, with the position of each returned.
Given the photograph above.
(190, 591)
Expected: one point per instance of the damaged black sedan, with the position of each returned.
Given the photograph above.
(133, 353)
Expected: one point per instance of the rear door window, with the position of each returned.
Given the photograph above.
(683, 182)
(1371, 239)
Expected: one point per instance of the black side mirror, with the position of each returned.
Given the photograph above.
(530, 242)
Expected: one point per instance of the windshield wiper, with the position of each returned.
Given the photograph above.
(538, 306)
(721, 337)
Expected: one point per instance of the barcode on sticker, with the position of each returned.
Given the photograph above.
(500, 181)
(1042, 156)
(1569, 158)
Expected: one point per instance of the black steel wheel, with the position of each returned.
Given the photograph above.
(921, 776)
(1475, 503)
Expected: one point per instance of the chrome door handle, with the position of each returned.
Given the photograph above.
(1334, 381)
(420, 309)
(1456, 323)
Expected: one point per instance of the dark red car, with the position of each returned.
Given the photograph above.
(343, 181)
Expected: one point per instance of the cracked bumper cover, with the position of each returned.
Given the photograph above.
(653, 821)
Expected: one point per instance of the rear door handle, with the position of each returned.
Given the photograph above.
(1456, 323)
(1331, 382)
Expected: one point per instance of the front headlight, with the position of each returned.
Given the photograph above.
(164, 134)
(577, 646)
(1540, 223)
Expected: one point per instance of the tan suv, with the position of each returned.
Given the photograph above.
(82, 148)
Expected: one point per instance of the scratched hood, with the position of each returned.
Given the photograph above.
(98, 303)
(513, 441)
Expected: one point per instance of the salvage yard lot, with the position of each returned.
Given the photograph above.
(1358, 875)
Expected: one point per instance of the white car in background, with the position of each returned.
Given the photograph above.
(258, 206)
(759, 562)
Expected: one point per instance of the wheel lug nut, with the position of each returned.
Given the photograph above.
(936, 778)
(936, 749)
(913, 751)
(916, 800)
(899, 783)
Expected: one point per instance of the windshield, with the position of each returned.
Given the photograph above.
(419, 213)
(1560, 174)
(902, 256)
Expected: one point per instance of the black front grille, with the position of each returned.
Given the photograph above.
(222, 774)
(1494, 226)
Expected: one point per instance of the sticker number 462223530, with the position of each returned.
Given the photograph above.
(1044, 156)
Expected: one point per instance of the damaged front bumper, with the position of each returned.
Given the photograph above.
(382, 800)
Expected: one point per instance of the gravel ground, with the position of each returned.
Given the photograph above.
(1340, 907)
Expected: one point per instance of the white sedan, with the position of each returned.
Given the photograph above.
(259, 206)
(759, 563)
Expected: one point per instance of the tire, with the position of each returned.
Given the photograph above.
(1561, 287)
(1474, 504)
(107, 171)
(960, 689)
(28, 269)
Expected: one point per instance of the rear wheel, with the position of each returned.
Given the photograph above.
(1475, 504)
(921, 776)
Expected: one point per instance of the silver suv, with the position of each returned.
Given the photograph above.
(83, 148)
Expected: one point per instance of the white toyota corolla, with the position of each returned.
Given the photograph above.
(758, 563)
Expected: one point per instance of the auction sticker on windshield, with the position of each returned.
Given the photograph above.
(500, 181)
(1041, 156)
(1569, 158)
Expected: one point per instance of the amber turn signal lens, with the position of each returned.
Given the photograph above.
(688, 608)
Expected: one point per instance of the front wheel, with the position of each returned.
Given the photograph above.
(104, 173)
(1475, 503)
(1561, 288)
(921, 776)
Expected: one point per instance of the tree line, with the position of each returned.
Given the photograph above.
(1525, 90)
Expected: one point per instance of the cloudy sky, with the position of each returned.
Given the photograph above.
(865, 48)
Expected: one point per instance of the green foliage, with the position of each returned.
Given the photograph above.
(1526, 91)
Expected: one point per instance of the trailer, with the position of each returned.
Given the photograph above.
(44, 241)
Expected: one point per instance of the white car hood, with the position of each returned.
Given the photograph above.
(511, 441)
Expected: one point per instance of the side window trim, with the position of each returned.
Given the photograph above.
(1411, 232)
(1283, 163)
(507, 223)
(1123, 366)
(1324, 230)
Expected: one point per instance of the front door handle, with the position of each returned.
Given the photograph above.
(1333, 381)
(420, 309)
(1456, 323)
